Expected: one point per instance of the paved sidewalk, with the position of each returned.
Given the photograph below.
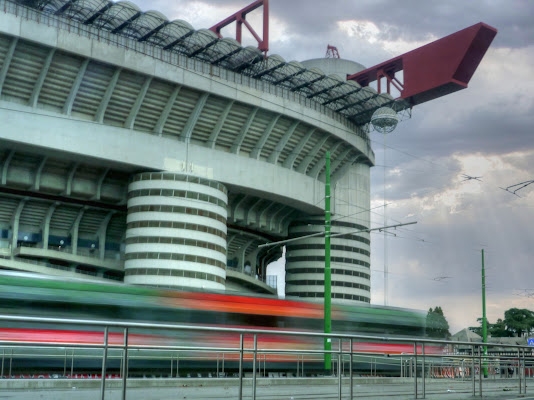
(267, 389)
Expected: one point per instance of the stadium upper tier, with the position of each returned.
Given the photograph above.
(125, 19)
(97, 99)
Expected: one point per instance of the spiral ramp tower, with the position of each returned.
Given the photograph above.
(140, 149)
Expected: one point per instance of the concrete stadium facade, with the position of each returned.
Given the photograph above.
(126, 158)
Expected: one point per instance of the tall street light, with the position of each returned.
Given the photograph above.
(327, 272)
(484, 320)
(385, 120)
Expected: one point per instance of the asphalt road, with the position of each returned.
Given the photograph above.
(435, 390)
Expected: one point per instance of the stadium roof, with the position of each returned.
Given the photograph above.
(124, 18)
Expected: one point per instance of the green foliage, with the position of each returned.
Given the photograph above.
(519, 321)
(478, 329)
(436, 324)
(499, 329)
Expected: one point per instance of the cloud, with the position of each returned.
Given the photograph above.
(412, 20)
(455, 221)
(409, 21)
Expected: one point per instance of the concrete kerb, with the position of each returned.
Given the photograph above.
(29, 384)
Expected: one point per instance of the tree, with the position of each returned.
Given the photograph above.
(519, 321)
(436, 324)
(478, 329)
(499, 329)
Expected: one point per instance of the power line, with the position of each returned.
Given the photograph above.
(358, 212)
(517, 187)
(334, 235)
(466, 177)
(411, 155)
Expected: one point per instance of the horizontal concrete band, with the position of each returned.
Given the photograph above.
(176, 241)
(203, 276)
(173, 256)
(334, 271)
(176, 225)
(342, 239)
(343, 260)
(320, 294)
(319, 222)
(320, 282)
(177, 210)
(320, 246)
(177, 193)
(166, 176)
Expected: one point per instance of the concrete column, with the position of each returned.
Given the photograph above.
(176, 231)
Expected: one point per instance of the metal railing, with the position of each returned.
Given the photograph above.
(418, 365)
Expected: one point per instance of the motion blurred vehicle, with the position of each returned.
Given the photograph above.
(36, 295)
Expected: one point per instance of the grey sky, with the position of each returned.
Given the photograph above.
(485, 130)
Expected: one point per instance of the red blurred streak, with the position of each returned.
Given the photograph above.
(240, 18)
(268, 342)
(70, 336)
(244, 305)
(436, 69)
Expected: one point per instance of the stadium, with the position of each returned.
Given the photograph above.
(138, 149)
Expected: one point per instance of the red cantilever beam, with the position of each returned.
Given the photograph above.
(436, 69)
(240, 18)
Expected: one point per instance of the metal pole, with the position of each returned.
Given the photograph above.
(480, 370)
(125, 364)
(104, 358)
(415, 368)
(484, 320)
(223, 363)
(3, 356)
(327, 272)
(386, 289)
(217, 365)
(424, 370)
(350, 371)
(339, 371)
(240, 366)
(519, 369)
(524, 373)
(177, 365)
(65, 363)
(473, 369)
(254, 367)
(72, 364)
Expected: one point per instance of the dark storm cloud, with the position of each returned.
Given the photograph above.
(409, 20)
(414, 20)
(415, 177)
(484, 131)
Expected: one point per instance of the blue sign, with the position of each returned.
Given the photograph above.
(531, 342)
